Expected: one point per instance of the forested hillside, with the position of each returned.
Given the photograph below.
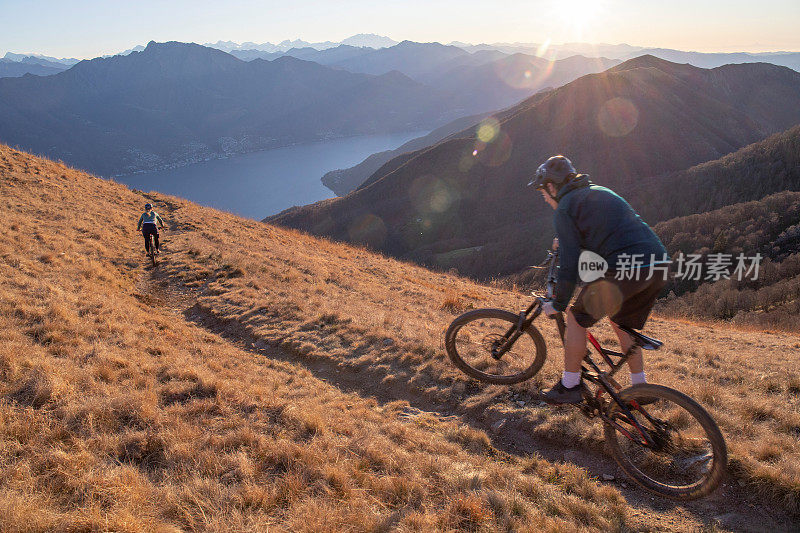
(769, 227)
(758, 170)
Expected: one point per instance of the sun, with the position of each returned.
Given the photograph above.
(579, 15)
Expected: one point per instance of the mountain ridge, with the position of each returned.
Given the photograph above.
(643, 133)
(176, 102)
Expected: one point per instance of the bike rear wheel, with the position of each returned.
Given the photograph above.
(472, 337)
(689, 456)
(152, 252)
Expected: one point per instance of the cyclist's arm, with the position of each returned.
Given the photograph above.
(160, 220)
(139, 225)
(569, 242)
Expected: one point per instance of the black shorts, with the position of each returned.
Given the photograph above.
(626, 302)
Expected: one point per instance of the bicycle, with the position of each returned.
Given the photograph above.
(661, 438)
(151, 249)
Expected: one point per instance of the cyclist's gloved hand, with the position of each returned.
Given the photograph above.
(548, 309)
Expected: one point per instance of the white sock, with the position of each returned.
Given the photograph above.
(638, 378)
(570, 379)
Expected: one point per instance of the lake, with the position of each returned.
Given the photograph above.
(260, 184)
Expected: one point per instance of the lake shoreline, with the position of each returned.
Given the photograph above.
(216, 156)
(261, 183)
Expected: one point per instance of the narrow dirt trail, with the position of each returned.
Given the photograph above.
(730, 508)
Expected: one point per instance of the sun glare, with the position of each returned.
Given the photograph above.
(578, 15)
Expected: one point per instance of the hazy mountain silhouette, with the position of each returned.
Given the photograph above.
(625, 52)
(175, 103)
(463, 202)
(343, 181)
(327, 56)
(413, 59)
(12, 69)
(41, 59)
(370, 40)
(483, 85)
(491, 85)
(711, 60)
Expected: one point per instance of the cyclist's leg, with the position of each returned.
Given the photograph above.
(589, 307)
(640, 296)
(155, 237)
(146, 236)
(574, 343)
(635, 361)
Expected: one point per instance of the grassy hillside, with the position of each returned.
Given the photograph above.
(117, 413)
(261, 378)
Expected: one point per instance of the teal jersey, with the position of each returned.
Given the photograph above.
(149, 218)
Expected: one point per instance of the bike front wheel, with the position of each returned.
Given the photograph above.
(474, 338)
(686, 456)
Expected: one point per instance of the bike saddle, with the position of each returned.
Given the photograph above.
(648, 343)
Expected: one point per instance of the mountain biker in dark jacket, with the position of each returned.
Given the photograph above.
(148, 224)
(594, 218)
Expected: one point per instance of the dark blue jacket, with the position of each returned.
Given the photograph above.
(590, 217)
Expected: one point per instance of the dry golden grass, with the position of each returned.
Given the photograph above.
(119, 414)
(385, 319)
(207, 394)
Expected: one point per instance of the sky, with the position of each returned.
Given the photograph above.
(85, 29)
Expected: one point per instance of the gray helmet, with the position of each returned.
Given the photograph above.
(555, 170)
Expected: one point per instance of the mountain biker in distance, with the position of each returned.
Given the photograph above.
(149, 223)
(594, 218)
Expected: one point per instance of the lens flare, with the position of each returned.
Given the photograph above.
(467, 161)
(431, 195)
(368, 229)
(498, 152)
(602, 298)
(542, 50)
(618, 117)
(488, 129)
(524, 72)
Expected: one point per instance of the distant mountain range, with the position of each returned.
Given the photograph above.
(492, 85)
(29, 65)
(40, 59)
(14, 65)
(463, 202)
(370, 40)
(451, 83)
(175, 103)
(476, 82)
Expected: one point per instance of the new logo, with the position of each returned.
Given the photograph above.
(591, 266)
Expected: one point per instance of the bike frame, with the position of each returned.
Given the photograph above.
(594, 405)
(152, 252)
